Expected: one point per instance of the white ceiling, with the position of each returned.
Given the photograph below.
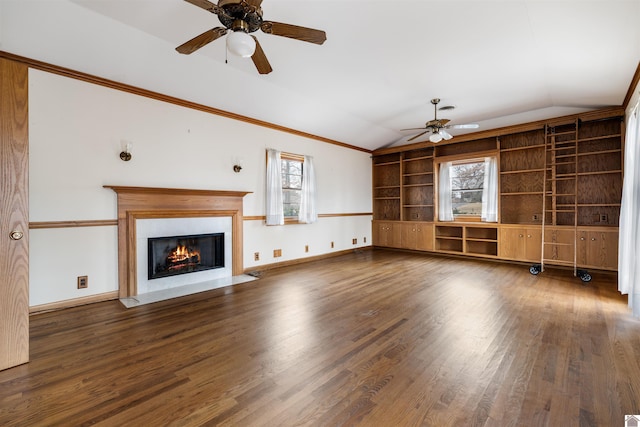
(499, 62)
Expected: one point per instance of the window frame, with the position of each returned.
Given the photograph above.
(284, 156)
(477, 157)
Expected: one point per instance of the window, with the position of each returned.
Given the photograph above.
(291, 189)
(468, 189)
(467, 180)
(291, 184)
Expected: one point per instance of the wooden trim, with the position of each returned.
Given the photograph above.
(144, 202)
(297, 261)
(114, 222)
(635, 81)
(73, 224)
(537, 125)
(75, 302)
(77, 75)
(331, 215)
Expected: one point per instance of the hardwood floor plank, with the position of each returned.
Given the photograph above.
(372, 338)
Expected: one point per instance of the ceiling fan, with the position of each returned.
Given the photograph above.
(244, 17)
(438, 127)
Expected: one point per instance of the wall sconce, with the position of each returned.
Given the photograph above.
(237, 168)
(237, 164)
(125, 154)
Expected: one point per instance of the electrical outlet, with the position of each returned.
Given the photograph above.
(364, 240)
(277, 253)
(354, 241)
(604, 218)
(331, 245)
(536, 217)
(306, 248)
(256, 256)
(83, 282)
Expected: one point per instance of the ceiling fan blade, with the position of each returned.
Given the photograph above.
(202, 40)
(294, 32)
(260, 59)
(467, 126)
(422, 128)
(445, 135)
(204, 4)
(417, 136)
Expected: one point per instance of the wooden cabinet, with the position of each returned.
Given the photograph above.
(560, 186)
(521, 243)
(469, 239)
(387, 234)
(559, 245)
(597, 248)
(417, 236)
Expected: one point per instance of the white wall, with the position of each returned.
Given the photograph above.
(76, 131)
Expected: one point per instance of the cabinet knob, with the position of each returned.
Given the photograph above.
(582, 238)
(593, 239)
(529, 235)
(521, 235)
(16, 235)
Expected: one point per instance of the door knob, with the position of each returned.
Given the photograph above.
(16, 235)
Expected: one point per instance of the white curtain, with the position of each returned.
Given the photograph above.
(445, 208)
(308, 213)
(629, 243)
(490, 190)
(275, 212)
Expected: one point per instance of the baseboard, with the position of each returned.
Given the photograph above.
(304, 260)
(60, 305)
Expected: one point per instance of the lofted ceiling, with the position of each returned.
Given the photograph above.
(498, 62)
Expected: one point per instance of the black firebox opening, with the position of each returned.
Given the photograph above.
(170, 256)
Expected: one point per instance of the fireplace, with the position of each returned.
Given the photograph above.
(175, 255)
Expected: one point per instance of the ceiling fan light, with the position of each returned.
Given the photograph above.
(241, 44)
(435, 137)
(446, 135)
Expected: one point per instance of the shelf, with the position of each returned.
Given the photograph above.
(382, 187)
(569, 132)
(386, 198)
(411, 159)
(419, 185)
(596, 153)
(595, 138)
(522, 171)
(387, 163)
(530, 147)
(418, 206)
(523, 193)
(417, 174)
(599, 172)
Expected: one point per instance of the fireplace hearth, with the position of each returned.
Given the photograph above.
(175, 255)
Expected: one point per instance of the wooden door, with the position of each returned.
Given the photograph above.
(408, 239)
(511, 243)
(14, 217)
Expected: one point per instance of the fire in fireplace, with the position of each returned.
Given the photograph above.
(170, 256)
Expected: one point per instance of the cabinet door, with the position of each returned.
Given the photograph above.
(424, 236)
(559, 245)
(598, 249)
(386, 234)
(533, 245)
(511, 243)
(409, 235)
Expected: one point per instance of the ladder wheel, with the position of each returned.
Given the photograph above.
(585, 277)
(534, 269)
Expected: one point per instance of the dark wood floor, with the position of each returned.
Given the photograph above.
(374, 338)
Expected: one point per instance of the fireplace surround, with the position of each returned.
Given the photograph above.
(137, 203)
